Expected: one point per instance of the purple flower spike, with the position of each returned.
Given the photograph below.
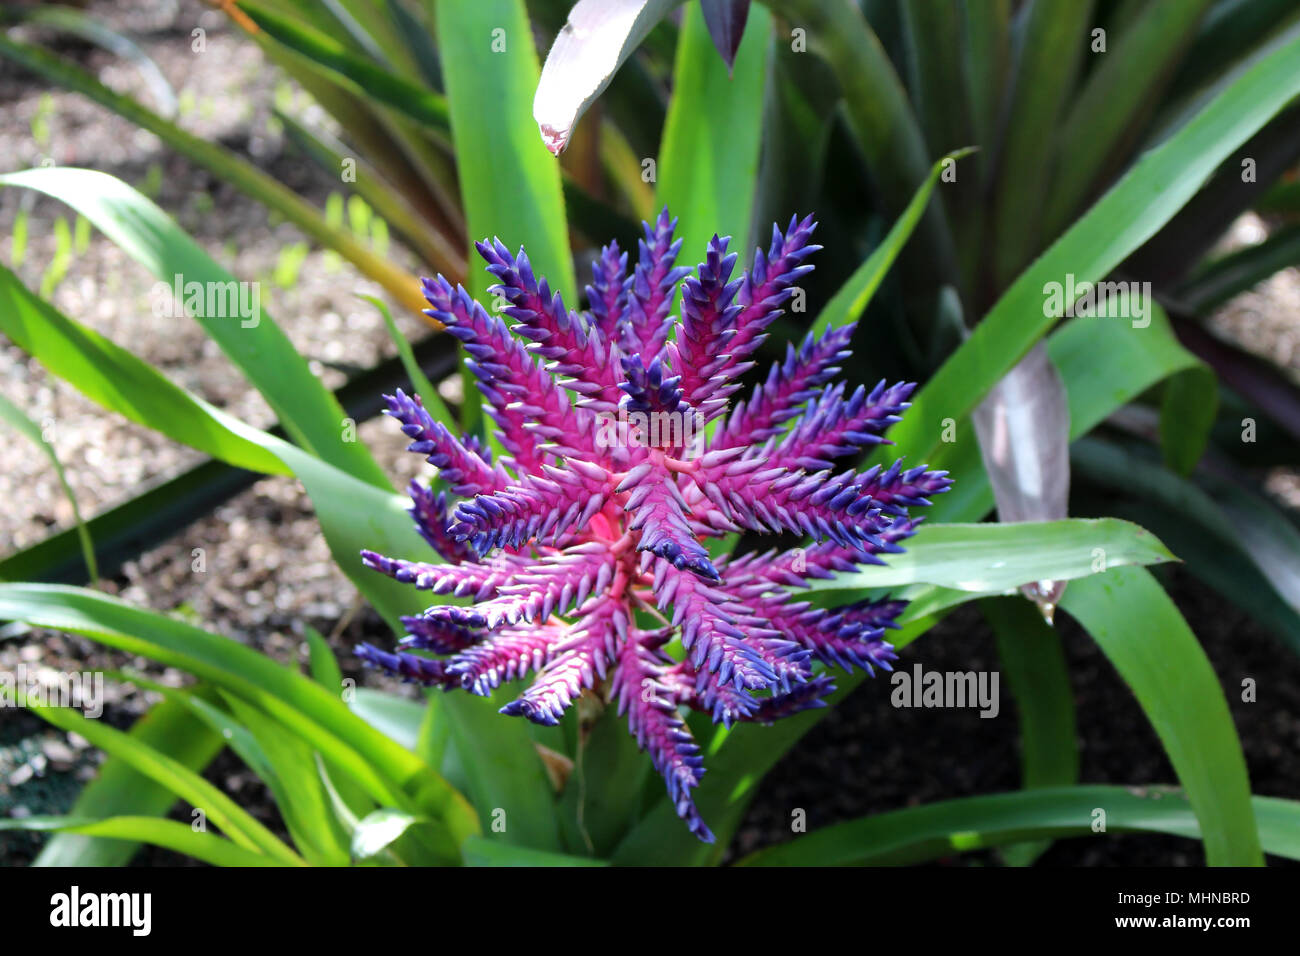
(599, 519)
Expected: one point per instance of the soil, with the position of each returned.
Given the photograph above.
(269, 572)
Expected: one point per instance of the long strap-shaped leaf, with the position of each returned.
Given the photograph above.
(15, 416)
(482, 852)
(306, 408)
(1051, 46)
(851, 300)
(353, 514)
(236, 822)
(1156, 653)
(986, 557)
(129, 831)
(917, 834)
(387, 770)
(878, 112)
(117, 380)
(1033, 663)
(1219, 280)
(119, 789)
(510, 185)
(1136, 359)
(1118, 97)
(708, 161)
(232, 168)
(1239, 543)
(420, 104)
(1130, 213)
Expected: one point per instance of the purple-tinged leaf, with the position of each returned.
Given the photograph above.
(1023, 426)
(597, 38)
(726, 23)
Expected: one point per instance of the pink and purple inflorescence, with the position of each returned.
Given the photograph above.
(583, 547)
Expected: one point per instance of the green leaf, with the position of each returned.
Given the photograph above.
(505, 775)
(230, 167)
(1131, 212)
(83, 25)
(419, 381)
(1145, 637)
(794, 155)
(379, 830)
(931, 32)
(117, 380)
(288, 767)
(1117, 100)
(994, 558)
(309, 411)
(18, 243)
(57, 268)
(121, 790)
(1282, 198)
(603, 795)
(877, 110)
(917, 834)
(280, 761)
(362, 76)
(855, 295)
(1229, 32)
(482, 852)
(324, 665)
(708, 160)
(131, 830)
(1233, 540)
(1187, 413)
(413, 163)
(396, 207)
(354, 514)
(386, 769)
(510, 185)
(236, 822)
(1053, 40)
(1216, 282)
(395, 717)
(1136, 359)
(987, 54)
(12, 414)
(433, 740)
(1033, 664)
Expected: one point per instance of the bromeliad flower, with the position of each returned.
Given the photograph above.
(583, 548)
